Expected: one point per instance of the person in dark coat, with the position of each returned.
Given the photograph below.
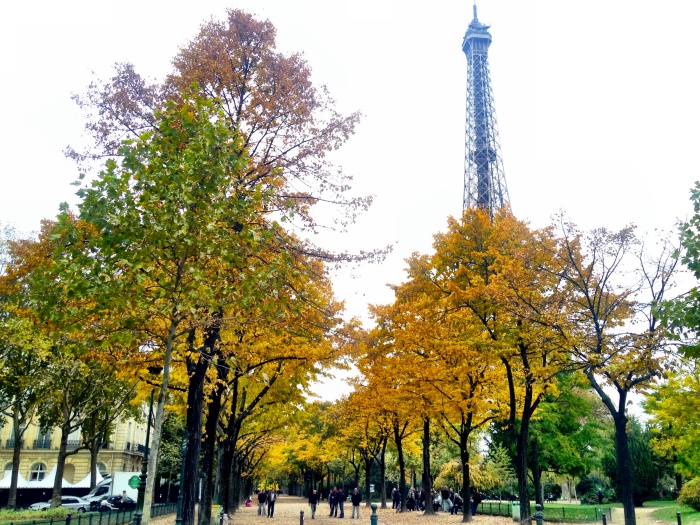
(271, 498)
(476, 498)
(262, 508)
(396, 499)
(356, 498)
(333, 500)
(341, 501)
(314, 498)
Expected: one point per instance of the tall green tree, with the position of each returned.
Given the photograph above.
(163, 241)
(674, 408)
(682, 314)
(568, 436)
(82, 395)
(619, 341)
(285, 128)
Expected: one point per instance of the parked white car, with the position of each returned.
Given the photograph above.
(69, 502)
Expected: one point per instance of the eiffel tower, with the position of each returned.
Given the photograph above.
(484, 180)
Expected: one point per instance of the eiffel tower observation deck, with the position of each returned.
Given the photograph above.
(484, 179)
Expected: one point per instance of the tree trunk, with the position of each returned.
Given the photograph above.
(382, 469)
(624, 469)
(195, 407)
(398, 441)
(230, 469)
(221, 478)
(622, 445)
(94, 451)
(536, 472)
(60, 467)
(368, 472)
(224, 478)
(195, 404)
(466, 487)
(209, 445)
(521, 435)
(521, 473)
(16, 451)
(427, 484)
(158, 426)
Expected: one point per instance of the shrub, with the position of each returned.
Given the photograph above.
(552, 490)
(587, 488)
(14, 516)
(690, 494)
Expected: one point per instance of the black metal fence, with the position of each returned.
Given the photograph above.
(567, 513)
(115, 517)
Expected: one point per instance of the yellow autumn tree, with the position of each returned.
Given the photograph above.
(499, 275)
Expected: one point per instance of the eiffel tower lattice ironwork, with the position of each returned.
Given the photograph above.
(484, 179)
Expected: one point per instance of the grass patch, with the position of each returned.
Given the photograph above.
(689, 515)
(660, 503)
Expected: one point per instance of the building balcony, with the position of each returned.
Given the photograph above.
(134, 448)
(72, 444)
(42, 443)
(10, 443)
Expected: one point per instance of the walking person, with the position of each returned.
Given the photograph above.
(271, 498)
(396, 499)
(356, 498)
(341, 502)
(262, 498)
(445, 496)
(476, 498)
(313, 501)
(457, 504)
(333, 500)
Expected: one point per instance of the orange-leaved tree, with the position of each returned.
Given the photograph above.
(496, 272)
(444, 364)
(384, 367)
(287, 124)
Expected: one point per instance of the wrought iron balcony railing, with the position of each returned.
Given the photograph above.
(10, 443)
(44, 443)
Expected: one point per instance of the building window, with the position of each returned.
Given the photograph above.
(74, 439)
(102, 469)
(43, 439)
(37, 472)
(11, 442)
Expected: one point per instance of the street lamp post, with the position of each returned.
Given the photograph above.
(138, 512)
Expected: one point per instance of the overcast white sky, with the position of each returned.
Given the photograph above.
(597, 103)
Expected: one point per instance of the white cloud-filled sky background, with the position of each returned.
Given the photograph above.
(597, 102)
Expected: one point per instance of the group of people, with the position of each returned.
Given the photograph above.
(336, 501)
(266, 503)
(446, 500)
(451, 501)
